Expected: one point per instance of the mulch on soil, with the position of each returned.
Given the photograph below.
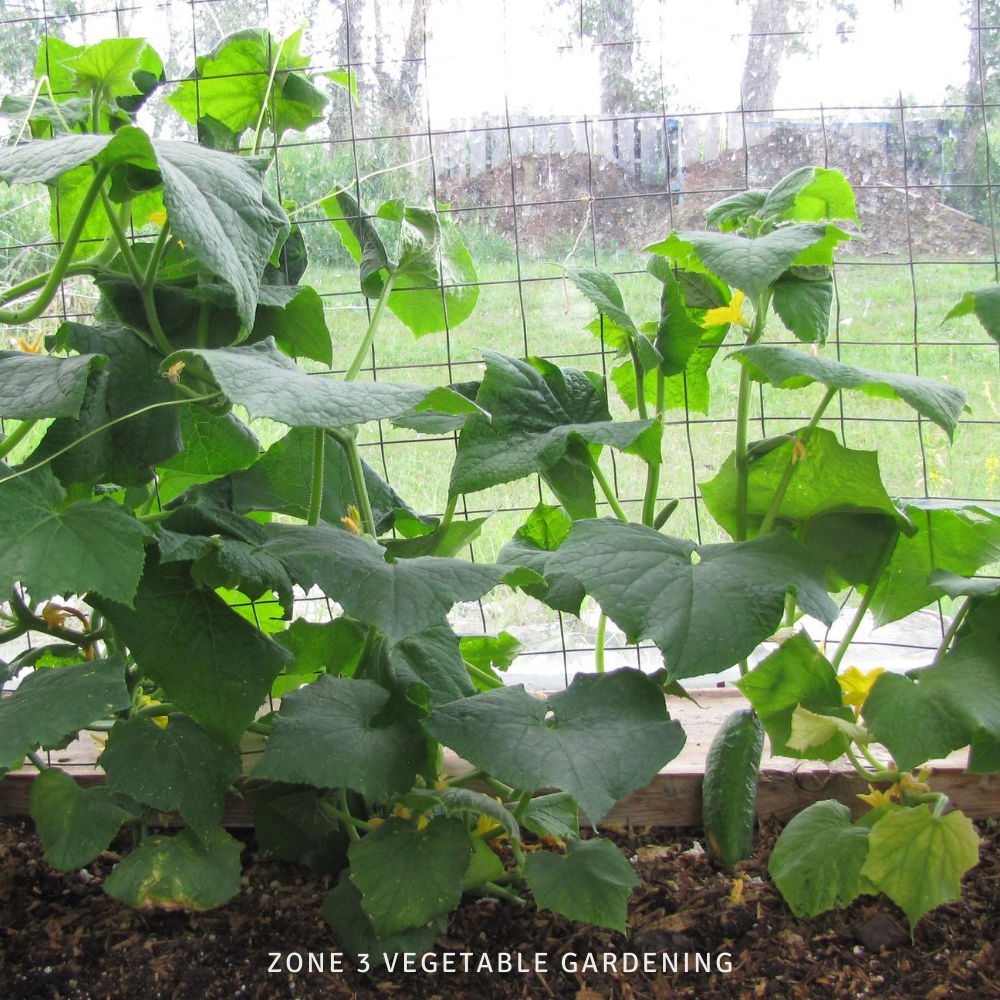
(61, 937)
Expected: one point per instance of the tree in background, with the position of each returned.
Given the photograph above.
(976, 128)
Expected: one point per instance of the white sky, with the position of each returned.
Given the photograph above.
(918, 47)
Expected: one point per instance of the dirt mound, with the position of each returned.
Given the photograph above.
(545, 201)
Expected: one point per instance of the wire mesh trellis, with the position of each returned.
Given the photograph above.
(579, 131)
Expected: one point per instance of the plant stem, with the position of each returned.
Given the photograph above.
(319, 460)
(146, 292)
(653, 469)
(949, 636)
(449, 512)
(741, 458)
(602, 627)
(343, 814)
(156, 710)
(866, 601)
(484, 678)
(16, 317)
(37, 761)
(366, 342)
(605, 486)
(258, 133)
(767, 525)
(503, 893)
(153, 267)
(640, 379)
(103, 428)
(523, 802)
(349, 443)
(15, 437)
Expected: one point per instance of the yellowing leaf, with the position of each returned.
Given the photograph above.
(857, 685)
(810, 729)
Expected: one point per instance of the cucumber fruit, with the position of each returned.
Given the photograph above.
(729, 791)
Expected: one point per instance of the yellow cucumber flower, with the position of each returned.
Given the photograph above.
(857, 686)
(875, 797)
(733, 313)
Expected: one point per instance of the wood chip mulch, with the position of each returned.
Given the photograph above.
(61, 938)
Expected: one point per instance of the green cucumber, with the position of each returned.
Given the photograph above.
(729, 791)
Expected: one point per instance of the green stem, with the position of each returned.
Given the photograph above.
(349, 443)
(524, 800)
(860, 768)
(343, 814)
(470, 777)
(449, 512)
(33, 284)
(640, 381)
(16, 317)
(159, 248)
(741, 458)
(484, 678)
(602, 627)
(103, 428)
(15, 437)
(258, 133)
(602, 482)
(503, 893)
(877, 764)
(37, 761)
(653, 469)
(319, 461)
(863, 607)
(146, 292)
(369, 337)
(949, 636)
(767, 525)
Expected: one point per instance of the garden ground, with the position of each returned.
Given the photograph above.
(61, 937)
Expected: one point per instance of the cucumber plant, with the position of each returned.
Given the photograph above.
(808, 518)
(151, 549)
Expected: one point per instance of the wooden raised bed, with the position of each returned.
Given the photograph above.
(673, 798)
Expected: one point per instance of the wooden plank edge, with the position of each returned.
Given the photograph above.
(671, 799)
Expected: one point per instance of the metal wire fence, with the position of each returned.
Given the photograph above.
(578, 131)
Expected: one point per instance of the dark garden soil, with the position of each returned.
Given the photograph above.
(61, 937)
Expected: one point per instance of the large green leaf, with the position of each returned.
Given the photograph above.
(955, 536)
(291, 824)
(796, 674)
(985, 303)
(268, 384)
(281, 481)
(912, 721)
(788, 368)
(175, 768)
(682, 597)
(213, 444)
(463, 802)
(803, 302)
(966, 684)
(678, 336)
(608, 735)
(34, 386)
(74, 824)
(230, 85)
(400, 599)
(539, 410)
(178, 872)
(298, 327)
(591, 881)
(106, 67)
(553, 815)
(340, 733)
(749, 264)
(217, 206)
(828, 477)
(55, 545)
(434, 281)
(408, 876)
(817, 860)
(216, 202)
(810, 194)
(602, 290)
(50, 705)
(918, 859)
(210, 662)
(342, 911)
(546, 528)
(127, 452)
(431, 660)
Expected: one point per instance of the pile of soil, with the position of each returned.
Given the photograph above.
(61, 937)
(901, 214)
